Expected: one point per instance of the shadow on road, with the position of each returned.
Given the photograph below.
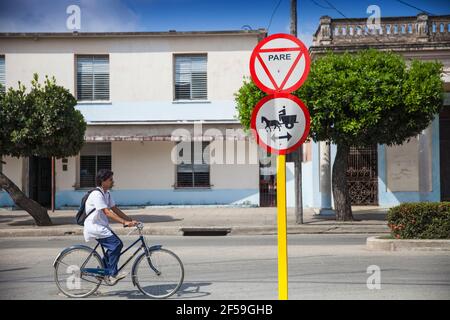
(188, 290)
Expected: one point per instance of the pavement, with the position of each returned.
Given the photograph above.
(202, 220)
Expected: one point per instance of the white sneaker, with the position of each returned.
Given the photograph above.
(112, 280)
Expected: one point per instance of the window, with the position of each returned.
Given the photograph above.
(93, 157)
(92, 78)
(2, 74)
(190, 173)
(190, 77)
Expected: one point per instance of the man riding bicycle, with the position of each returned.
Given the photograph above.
(96, 225)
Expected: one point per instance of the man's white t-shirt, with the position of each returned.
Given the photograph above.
(96, 225)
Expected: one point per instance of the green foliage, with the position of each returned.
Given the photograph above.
(364, 98)
(42, 122)
(246, 99)
(424, 220)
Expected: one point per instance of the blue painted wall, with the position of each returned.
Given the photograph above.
(5, 199)
(167, 197)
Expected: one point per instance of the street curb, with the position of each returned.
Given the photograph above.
(376, 243)
(47, 232)
(327, 229)
(199, 230)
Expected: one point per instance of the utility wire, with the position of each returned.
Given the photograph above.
(414, 7)
(273, 13)
(319, 5)
(333, 7)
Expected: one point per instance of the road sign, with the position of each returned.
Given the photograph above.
(280, 122)
(279, 63)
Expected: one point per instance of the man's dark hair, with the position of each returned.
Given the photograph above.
(103, 175)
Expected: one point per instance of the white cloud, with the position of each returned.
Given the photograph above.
(51, 16)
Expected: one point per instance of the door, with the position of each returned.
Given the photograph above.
(267, 180)
(40, 177)
(444, 146)
(362, 175)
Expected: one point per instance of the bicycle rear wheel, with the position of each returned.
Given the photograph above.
(68, 276)
(160, 275)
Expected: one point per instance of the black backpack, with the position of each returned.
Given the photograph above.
(81, 214)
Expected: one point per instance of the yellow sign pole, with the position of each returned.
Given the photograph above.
(282, 227)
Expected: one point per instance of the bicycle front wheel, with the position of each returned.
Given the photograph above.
(158, 275)
(69, 277)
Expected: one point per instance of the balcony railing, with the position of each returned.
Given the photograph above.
(422, 28)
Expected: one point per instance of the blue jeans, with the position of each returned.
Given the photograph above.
(113, 246)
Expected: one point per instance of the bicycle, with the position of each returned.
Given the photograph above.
(156, 272)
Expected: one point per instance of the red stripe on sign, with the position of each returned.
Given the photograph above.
(267, 72)
(279, 49)
(290, 71)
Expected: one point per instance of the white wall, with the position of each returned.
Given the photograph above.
(148, 165)
(13, 170)
(141, 68)
(237, 175)
(66, 180)
(142, 165)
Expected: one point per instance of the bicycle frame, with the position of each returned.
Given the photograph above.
(144, 246)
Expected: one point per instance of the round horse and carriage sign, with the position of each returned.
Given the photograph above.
(280, 122)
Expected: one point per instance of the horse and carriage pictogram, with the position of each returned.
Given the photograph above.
(287, 120)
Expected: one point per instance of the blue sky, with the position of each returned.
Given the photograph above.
(192, 15)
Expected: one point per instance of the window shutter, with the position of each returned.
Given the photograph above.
(85, 78)
(190, 77)
(87, 171)
(92, 78)
(198, 78)
(93, 157)
(201, 179)
(101, 78)
(2, 74)
(182, 78)
(201, 170)
(194, 173)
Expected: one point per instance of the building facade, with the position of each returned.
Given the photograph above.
(381, 175)
(141, 94)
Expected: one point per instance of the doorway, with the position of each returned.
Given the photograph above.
(362, 175)
(40, 178)
(444, 145)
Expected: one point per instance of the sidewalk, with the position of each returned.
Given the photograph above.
(181, 220)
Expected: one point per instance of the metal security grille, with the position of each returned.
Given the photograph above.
(92, 78)
(190, 77)
(362, 176)
(267, 180)
(193, 172)
(93, 157)
(2, 74)
(267, 191)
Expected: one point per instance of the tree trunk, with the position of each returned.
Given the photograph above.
(38, 212)
(342, 203)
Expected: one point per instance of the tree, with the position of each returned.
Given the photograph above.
(371, 97)
(41, 123)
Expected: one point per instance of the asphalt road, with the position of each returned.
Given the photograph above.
(245, 267)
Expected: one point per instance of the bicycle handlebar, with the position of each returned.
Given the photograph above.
(139, 226)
